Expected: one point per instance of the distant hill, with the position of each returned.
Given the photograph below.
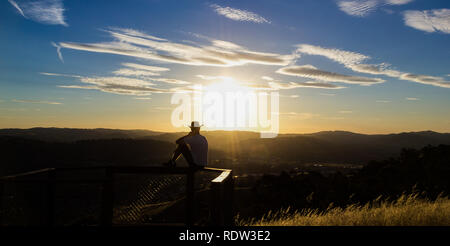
(64, 145)
(339, 146)
(21, 154)
(326, 146)
(74, 134)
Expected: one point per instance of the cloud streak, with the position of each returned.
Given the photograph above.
(123, 85)
(134, 72)
(308, 71)
(35, 101)
(309, 84)
(58, 51)
(146, 67)
(50, 12)
(238, 14)
(340, 56)
(157, 49)
(412, 99)
(15, 5)
(352, 60)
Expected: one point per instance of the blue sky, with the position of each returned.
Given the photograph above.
(372, 66)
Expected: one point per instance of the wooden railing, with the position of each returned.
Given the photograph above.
(221, 192)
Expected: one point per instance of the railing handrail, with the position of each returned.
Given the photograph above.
(44, 170)
(222, 177)
(122, 169)
(225, 179)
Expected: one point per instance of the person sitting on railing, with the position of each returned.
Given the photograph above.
(194, 148)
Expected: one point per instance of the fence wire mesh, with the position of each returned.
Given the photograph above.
(138, 199)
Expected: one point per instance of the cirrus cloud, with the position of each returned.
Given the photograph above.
(49, 12)
(238, 14)
(362, 8)
(35, 101)
(358, 8)
(308, 84)
(353, 61)
(122, 85)
(435, 20)
(217, 53)
(308, 71)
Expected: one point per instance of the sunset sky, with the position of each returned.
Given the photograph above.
(369, 66)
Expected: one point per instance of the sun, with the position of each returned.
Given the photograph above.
(224, 88)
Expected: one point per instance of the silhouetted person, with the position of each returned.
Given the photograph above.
(193, 147)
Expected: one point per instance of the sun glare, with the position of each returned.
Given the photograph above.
(227, 84)
(223, 87)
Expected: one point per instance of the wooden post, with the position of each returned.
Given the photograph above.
(51, 179)
(190, 198)
(107, 198)
(216, 204)
(228, 201)
(222, 199)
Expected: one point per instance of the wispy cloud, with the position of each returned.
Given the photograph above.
(118, 89)
(238, 14)
(309, 84)
(145, 67)
(58, 51)
(35, 101)
(60, 75)
(377, 69)
(289, 96)
(118, 85)
(172, 81)
(412, 99)
(435, 20)
(273, 84)
(426, 79)
(115, 80)
(49, 12)
(123, 85)
(134, 72)
(352, 60)
(382, 101)
(362, 8)
(136, 33)
(308, 71)
(398, 2)
(267, 78)
(143, 98)
(358, 8)
(214, 54)
(17, 7)
(341, 56)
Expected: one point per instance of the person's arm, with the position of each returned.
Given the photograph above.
(181, 140)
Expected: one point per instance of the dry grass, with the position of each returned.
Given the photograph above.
(408, 210)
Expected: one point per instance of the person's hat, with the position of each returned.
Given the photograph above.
(195, 124)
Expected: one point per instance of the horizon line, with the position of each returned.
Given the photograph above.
(157, 131)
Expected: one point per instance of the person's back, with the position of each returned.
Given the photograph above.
(199, 148)
(194, 148)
